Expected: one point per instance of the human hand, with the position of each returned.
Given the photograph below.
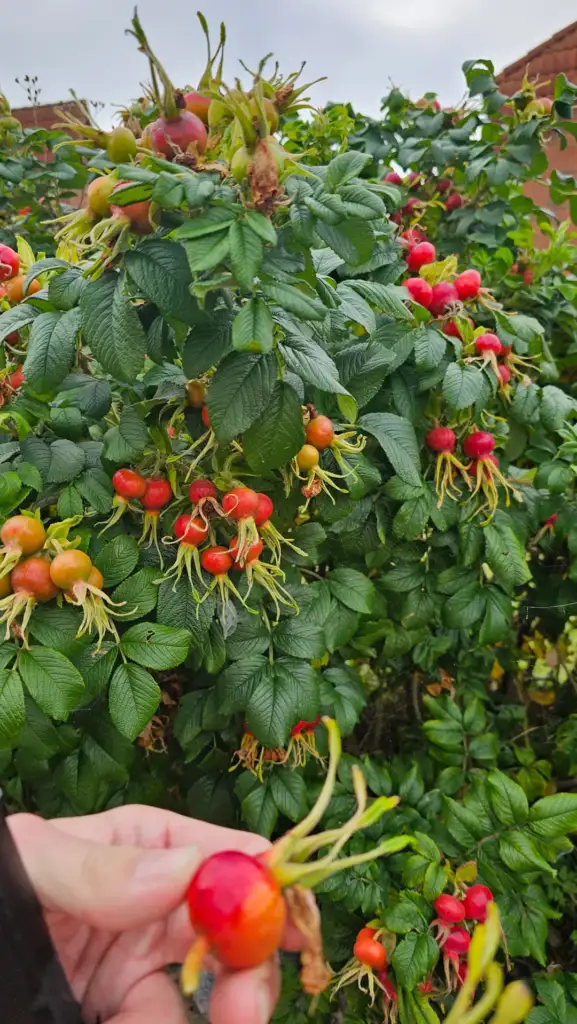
(112, 886)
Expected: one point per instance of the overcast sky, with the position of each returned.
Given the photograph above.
(361, 45)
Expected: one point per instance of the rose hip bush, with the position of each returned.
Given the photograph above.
(285, 441)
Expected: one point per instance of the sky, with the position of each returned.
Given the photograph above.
(361, 47)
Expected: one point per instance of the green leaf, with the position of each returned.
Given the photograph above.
(12, 710)
(239, 393)
(283, 695)
(51, 680)
(207, 345)
(465, 607)
(138, 594)
(300, 303)
(261, 226)
(132, 699)
(554, 816)
(70, 503)
(505, 555)
(67, 460)
(508, 799)
(96, 488)
(64, 290)
(112, 328)
(414, 959)
(556, 407)
(160, 269)
(117, 559)
(429, 350)
(236, 684)
(363, 368)
(176, 603)
(353, 589)
(341, 626)
(462, 385)
(258, 806)
(126, 442)
(251, 636)
(347, 697)
(207, 252)
(520, 854)
(215, 219)
(252, 328)
(352, 239)
(344, 167)
(289, 793)
(51, 349)
(404, 916)
(498, 618)
(436, 878)
(404, 577)
(311, 363)
(16, 318)
(396, 437)
(246, 253)
(299, 638)
(155, 646)
(278, 434)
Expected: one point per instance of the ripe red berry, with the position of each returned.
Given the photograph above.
(483, 461)
(158, 493)
(457, 942)
(217, 561)
(551, 520)
(468, 284)
(420, 291)
(389, 988)
(528, 276)
(488, 343)
(190, 531)
(413, 178)
(32, 577)
(252, 555)
(320, 432)
(240, 503)
(200, 489)
(462, 971)
(444, 295)
(16, 379)
(452, 329)
(265, 509)
(514, 269)
(419, 255)
(369, 951)
(205, 417)
(410, 206)
(454, 202)
(479, 445)
(450, 909)
(392, 178)
(443, 185)
(170, 135)
(128, 483)
(305, 727)
(235, 903)
(9, 263)
(475, 902)
(504, 374)
(441, 439)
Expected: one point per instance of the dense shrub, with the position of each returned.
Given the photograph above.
(232, 315)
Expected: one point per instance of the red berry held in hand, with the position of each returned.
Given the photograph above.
(444, 295)
(129, 484)
(457, 942)
(441, 439)
(449, 909)
(479, 445)
(475, 902)
(420, 291)
(419, 255)
(236, 906)
(468, 284)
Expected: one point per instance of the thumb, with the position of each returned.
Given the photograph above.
(112, 887)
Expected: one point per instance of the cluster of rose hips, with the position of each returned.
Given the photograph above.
(36, 568)
(320, 437)
(250, 512)
(442, 186)
(302, 744)
(445, 296)
(483, 467)
(452, 937)
(368, 967)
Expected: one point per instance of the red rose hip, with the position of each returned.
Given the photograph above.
(420, 291)
(419, 255)
(468, 284)
(444, 295)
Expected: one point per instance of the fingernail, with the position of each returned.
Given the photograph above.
(157, 864)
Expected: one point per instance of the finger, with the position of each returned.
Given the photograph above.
(246, 997)
(139, 825)
(154, 999)
(112, 887)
